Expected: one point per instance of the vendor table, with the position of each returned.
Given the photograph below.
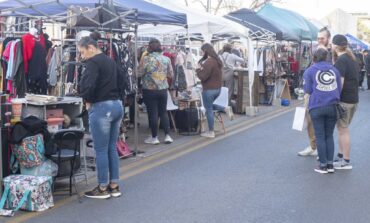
(70, 106)
(243, 96)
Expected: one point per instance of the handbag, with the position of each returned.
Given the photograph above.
(300, 121)
(123, 149)
(28, 193)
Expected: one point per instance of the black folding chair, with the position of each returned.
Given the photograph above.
(67, 157)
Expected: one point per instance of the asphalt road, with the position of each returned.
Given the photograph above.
(253, 176)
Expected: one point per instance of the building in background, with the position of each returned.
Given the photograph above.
(341, 22)
(363, 26)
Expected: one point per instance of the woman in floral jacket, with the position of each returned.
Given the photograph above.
(155, 69)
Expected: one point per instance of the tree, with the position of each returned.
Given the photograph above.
(363, 30)
(225, 5)
(259, 3)
(217, 6)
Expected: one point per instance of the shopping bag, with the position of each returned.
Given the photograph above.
(300, 121)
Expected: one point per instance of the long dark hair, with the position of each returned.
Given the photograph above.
(345, 49)
(209, 51)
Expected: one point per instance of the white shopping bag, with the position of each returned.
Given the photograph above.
(300, 121)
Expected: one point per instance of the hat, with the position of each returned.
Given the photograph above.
(340, 40)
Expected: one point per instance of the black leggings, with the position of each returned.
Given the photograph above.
(156, 103)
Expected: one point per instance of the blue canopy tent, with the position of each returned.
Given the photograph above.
(138, 11)
(289, 20)
(151, 13)
(355, 43)
(259, 25)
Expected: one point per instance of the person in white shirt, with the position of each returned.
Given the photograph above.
(230, 61)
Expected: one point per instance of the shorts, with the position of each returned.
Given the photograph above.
(348, 116)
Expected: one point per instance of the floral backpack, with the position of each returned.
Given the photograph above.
(30, 152)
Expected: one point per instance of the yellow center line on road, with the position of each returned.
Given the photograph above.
(161, 158)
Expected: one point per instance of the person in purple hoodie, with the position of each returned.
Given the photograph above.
(323, 85)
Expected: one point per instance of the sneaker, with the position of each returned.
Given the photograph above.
(152, 140)
(308, 152)
(321, 169)
(114, 192)
(337, 159)
(208, 134)
(98, 193)
(229, 112)
(343, 165)
(168, 139)
(330, 168)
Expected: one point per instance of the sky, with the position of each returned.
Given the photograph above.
(316, 9)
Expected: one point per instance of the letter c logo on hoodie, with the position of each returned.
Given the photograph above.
(326, 81)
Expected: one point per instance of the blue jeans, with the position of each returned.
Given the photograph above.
(324, 120)
(209, 97)
(105, 120)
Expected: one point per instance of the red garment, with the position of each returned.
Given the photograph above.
(172, 57)
(28, 41)
(293, 65)
(42, 40)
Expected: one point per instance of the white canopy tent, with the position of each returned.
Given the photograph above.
(198, 22)
(207, 25)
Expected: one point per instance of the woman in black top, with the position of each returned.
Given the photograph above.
(99, 87)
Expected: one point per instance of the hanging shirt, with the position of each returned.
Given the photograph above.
(10, 71)
(28, 41)
(53, 66)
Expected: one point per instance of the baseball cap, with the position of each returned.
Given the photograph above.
(340, 40)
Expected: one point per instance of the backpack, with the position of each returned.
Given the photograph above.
(30, 152)
(28, 193)
(227, 71)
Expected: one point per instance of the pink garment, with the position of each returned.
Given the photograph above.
(10, 87)
(6, 53)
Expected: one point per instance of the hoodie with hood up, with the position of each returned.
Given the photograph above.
(322, 81)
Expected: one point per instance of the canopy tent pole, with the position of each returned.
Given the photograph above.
(136, 92)
(251, 71)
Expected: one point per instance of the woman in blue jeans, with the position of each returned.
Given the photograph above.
(322, 83)
(99, 88)
(209, 71)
